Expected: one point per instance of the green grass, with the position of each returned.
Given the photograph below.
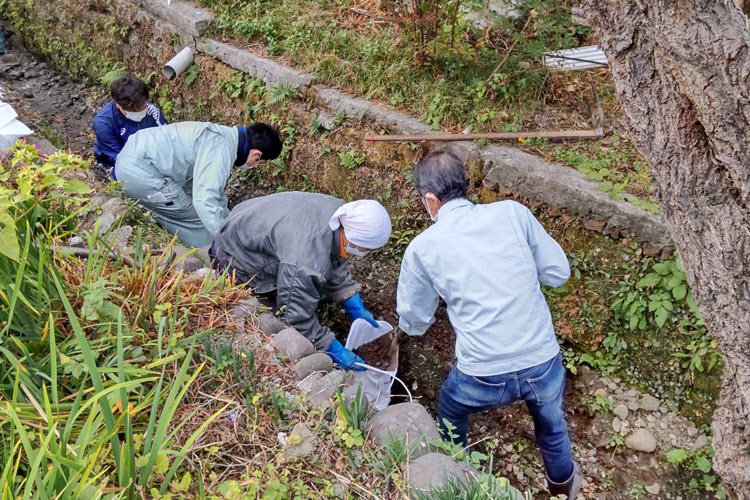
(453, 87)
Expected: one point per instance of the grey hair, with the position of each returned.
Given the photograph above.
(443, 174)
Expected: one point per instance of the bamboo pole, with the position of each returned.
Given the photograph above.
(553, 134)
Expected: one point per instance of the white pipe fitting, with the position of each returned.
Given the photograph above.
(178, 63)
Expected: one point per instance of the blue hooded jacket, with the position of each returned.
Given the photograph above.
(112, 130)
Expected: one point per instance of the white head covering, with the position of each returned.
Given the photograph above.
(366, 223)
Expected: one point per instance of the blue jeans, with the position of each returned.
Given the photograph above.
(2, 42)
(541, 387)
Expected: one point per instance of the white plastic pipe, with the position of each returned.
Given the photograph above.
(178, 63)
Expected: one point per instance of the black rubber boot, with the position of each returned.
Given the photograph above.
(570, 487)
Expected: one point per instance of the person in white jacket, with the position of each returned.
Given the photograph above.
(11, 128)
(179, 172)
(487, 263)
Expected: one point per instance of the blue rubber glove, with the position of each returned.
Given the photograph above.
(344, 357)
(356, 310)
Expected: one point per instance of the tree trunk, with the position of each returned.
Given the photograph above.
(682, 72)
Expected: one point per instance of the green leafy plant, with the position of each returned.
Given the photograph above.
(350, 160)
(350, 419)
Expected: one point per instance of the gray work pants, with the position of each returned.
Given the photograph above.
(170, 203)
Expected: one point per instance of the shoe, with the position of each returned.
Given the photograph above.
(570, 487)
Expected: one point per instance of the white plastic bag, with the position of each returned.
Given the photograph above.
(376, 386)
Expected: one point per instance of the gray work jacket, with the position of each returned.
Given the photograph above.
(282, 242)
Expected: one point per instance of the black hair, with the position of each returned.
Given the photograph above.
(129, 92)
(266, 138)
(443, 174)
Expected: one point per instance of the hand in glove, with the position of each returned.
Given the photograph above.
(356, 309)
(344, 357)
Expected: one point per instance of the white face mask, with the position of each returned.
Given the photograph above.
(348, 248)
(136, 116)
(433, 218)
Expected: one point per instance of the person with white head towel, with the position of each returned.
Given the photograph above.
(292, 250)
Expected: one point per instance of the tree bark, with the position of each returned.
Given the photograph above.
(682, 73)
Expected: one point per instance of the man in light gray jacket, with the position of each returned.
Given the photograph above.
(487, 262)
(292, 249)
(178, 172)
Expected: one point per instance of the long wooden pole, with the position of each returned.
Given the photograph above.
(559, 134)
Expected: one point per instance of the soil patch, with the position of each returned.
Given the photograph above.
(381, 353)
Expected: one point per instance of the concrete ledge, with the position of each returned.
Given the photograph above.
(564, 187)
(269, 71)
(181, 13)
(354, 107)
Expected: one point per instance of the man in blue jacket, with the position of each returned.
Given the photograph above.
(487, 263)
(128, 112)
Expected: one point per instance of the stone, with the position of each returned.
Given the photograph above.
(121, 237)
(115, 206)
(692, 431)
(316, 362)
(301, 443)
(641, 440)
(324, 388)
(181, 13)
(269, 324)
(632, 405)
(293, 344)
(408, 422)
(106, 220)
(600, 392)
(308, 383)
(76, 241)
(246, 308)
(188, 264)
(557, 185)
(649, 403)
(594, 225)
(616, 424)
(653, 489)
(651, 250)
(271, 72)
(621, 411)
(700, 442)
(432, 471)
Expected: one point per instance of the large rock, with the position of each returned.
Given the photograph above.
(293, 344)
(246, 308)
(317, 362)
(320, 390)
(269, 71)
(301, 443)
(641, 440)
(649, 403)
(432, 471)
(408, 422)
(269, 324)
(181, 13)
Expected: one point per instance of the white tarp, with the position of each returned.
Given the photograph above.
(376, 386)
(11, 128)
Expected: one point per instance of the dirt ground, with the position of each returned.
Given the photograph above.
(61, 109)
